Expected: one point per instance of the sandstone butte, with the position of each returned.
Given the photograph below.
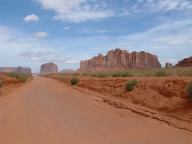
(16, 70)
(49, 68)
(187, 62)
(119, 59)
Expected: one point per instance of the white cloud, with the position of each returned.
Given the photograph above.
(44, 55)
(72, 62)
(41, 35)
(167, 5)
(75, 10)
(93, 31)
(31, 18)
(83, 15)
(66, 28)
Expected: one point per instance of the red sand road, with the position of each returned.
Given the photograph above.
(48, 112)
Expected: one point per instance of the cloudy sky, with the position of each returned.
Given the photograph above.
(33, 32)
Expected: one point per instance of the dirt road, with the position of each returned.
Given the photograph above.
(48, 112)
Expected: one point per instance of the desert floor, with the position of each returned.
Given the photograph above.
(46, 111)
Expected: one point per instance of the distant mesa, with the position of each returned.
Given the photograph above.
(168, 65)
(15, 69)
(49, 68)
(187, 62)
(119, 59)
(67, 71)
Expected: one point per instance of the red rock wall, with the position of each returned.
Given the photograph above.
(120, 60)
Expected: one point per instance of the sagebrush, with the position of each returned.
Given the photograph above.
(74, 81)
(130, 85)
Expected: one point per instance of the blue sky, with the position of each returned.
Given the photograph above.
(33, 32)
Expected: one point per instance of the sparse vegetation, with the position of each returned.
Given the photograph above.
(172, 72)
(130, 85)
(187, 72)
(75, 74)
(161, 73)
(144, 73)
(189, 90)
(101, 75)
(122, 74)
(20, 76)
(74, 81)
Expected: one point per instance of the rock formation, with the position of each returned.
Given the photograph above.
(118, 59)
(67, 71)
(187, 62)
(168, 65)
(49, 68)
(16, 70)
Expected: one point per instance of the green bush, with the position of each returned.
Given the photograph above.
(189, 90)
(20, 76)
(74, 81)
(131, 85)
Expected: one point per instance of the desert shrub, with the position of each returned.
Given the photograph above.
(74, 81)
(20, 76)
(189, 90)
(131, 85)
(161, 73)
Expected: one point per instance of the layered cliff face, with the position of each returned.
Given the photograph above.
(49, 68)
(16, 70)
(187, 62)
(120, 60)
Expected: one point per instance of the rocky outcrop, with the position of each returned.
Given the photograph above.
(49, 68)
(168, 65)
(16, 70)
(120, 60)
(187, 62)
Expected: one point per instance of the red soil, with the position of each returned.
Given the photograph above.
(164, 94)
(8, 84)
